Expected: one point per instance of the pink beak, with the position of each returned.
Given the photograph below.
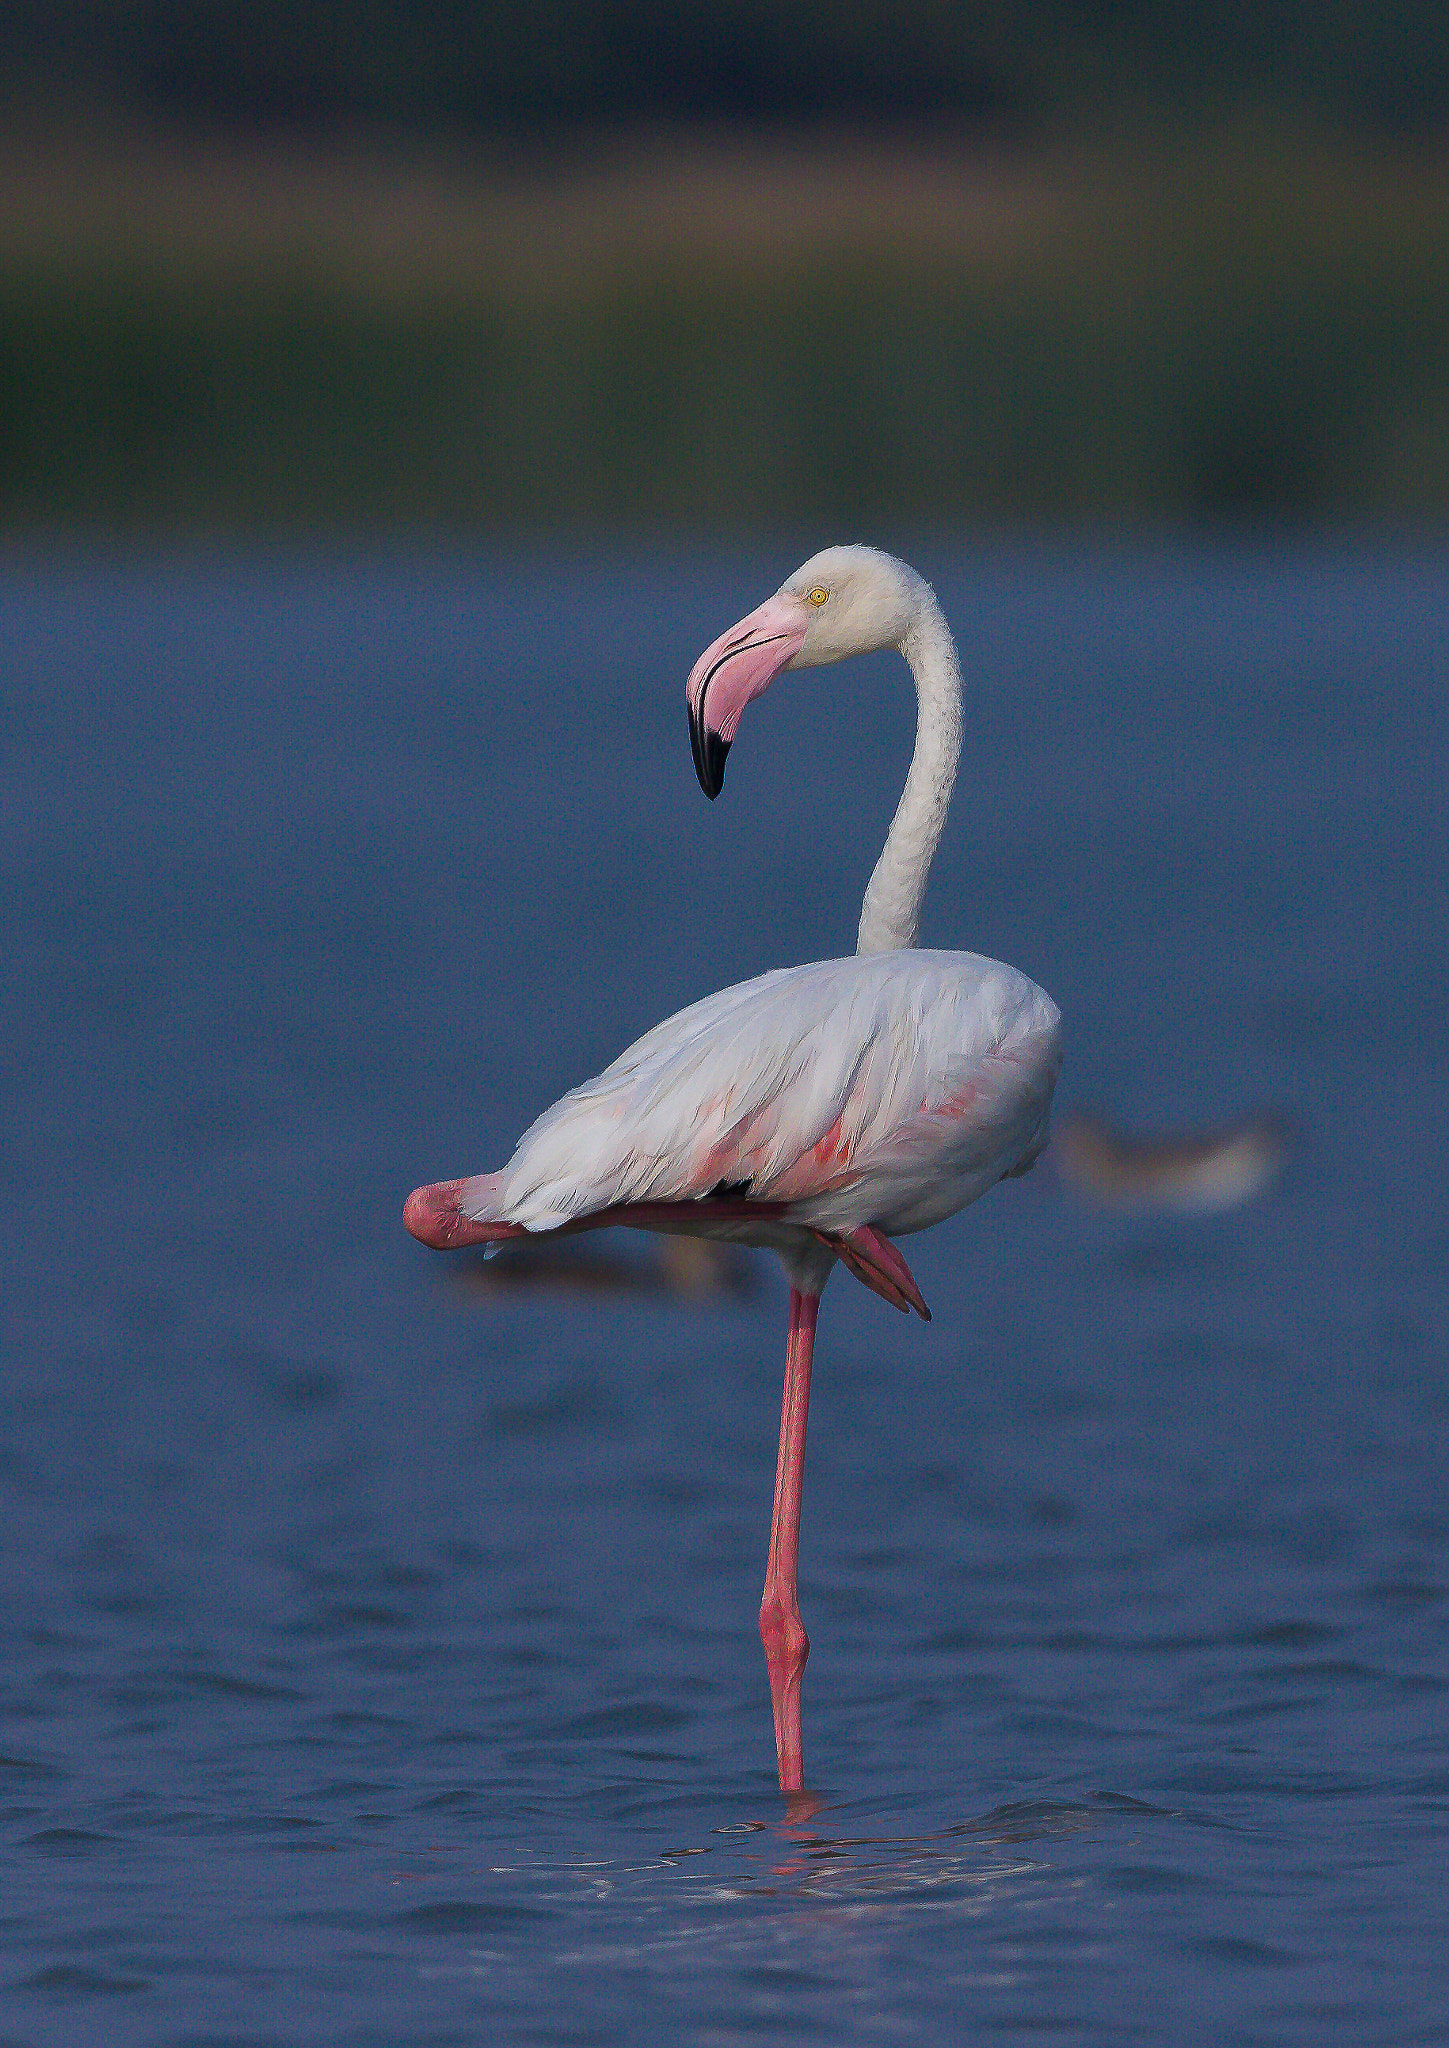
(733, 670)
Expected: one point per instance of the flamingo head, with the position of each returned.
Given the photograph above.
(845, 600)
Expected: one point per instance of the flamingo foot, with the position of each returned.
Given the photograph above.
(877, 1264)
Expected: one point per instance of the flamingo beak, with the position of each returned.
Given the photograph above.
(709, 755)
(733, 670)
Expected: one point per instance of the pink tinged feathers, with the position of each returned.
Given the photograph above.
(433, 1216)
(822, 1166)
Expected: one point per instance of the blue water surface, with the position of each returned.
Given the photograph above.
(379, 1638)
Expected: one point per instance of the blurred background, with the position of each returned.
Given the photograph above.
(394, 400)
(304, 266)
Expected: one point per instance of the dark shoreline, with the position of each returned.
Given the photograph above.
(1211, 338)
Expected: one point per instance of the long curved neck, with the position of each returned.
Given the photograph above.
(891, 914)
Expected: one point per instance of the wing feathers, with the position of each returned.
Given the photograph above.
(845, 1089)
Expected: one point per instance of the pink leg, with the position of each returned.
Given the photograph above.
(781, 1629)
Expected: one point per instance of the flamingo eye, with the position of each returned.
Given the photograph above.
(818, 596)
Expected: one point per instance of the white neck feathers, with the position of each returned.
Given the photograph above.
(891, 914)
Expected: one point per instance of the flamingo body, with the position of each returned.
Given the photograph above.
(820, 1110)
(887, 1091)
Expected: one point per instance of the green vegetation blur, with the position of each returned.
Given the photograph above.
(314, 268)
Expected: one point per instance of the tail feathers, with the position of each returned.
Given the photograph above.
(455, 1212)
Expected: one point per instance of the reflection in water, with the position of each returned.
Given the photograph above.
(768, 1929)
(694, 1269)
(696, 1898)
(820, 1864)
(1188, 1174)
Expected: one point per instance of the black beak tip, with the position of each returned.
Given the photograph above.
(711, 780)
(709, 756)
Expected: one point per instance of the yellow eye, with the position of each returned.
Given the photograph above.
(818, 596)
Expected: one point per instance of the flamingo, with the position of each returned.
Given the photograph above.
(822, 1110)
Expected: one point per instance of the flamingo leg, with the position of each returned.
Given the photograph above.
(781, 1629)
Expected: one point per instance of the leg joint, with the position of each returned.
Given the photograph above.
(783, 1633)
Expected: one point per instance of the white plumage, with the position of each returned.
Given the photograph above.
(889, 1090)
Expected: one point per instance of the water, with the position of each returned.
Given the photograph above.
(379, 1643)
